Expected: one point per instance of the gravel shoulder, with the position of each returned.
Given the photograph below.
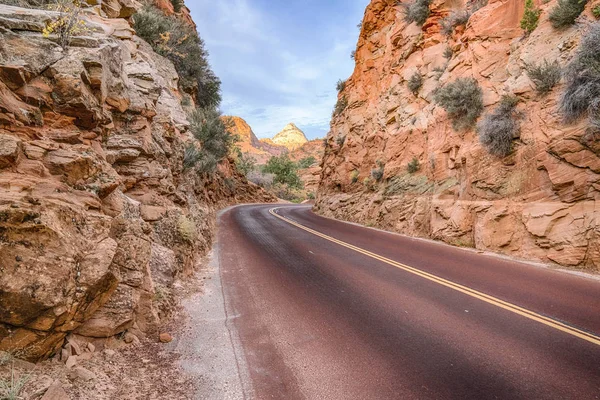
(209, 346)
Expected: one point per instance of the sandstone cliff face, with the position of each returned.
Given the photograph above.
(542, 202)
(310, 176)
(97, 216)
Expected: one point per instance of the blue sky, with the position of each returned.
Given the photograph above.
(278, 60)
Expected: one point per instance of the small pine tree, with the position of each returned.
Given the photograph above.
(531, 17)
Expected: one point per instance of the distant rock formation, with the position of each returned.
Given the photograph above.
(291, 137)
(290, 140)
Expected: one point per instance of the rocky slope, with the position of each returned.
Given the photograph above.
(98, 218)
(542, 202)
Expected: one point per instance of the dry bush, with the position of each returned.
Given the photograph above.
(582, 76)
(340, 106)
(499, 128)
(68, 24)
(415, 82)
(417, 11)
(462, 100)
(456, 18)
(544, 76)
(413, 166)
(261, 179)
(377, 172)
(566, 12)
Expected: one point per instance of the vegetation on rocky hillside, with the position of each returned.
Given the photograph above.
(180, 43)
(175, 39)
(566, 12)
(453, 20)
(531, 17)
(417, 11)
(210, 130)
(582, 76)
(500, 127)
(462, 100)
(544, 76)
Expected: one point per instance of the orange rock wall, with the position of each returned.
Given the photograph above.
(98, 217)
(541, 203)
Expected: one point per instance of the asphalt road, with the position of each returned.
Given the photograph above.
(328, 310)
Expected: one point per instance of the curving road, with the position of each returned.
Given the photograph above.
(328, 310)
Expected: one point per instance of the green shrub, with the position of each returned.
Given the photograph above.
(462, 100)
(353, 54)
(477, 5)
(531, 17)
(415, 82)
(306, 162)
(448, 53)
(544, 76)
(566, 12)
(596, 12)
(377, 173)
(177, 5)
(439, 71)
(187, 229)
(340, 140)
(211, 131)
(354, 176)
(191, 156)
(180, 43)
(499, 128)
(340, 106)
(244, 162)
(417, 11)
(456, 18)
(340, 86)
(186, 100)
(413, 166)
(285, 171)
(582, 77)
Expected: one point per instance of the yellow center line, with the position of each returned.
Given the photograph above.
(455, 286)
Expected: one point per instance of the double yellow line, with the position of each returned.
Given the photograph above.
(455, 286)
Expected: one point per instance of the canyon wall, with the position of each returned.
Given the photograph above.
(541, 202)
(98, 217)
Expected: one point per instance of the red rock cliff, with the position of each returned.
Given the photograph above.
(542, 202)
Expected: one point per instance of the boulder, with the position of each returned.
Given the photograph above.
(9, 150)
(55, 392)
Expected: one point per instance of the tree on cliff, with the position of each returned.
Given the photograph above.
(531, 17)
